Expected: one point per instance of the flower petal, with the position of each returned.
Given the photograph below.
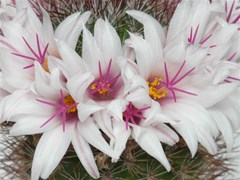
(93, 136)
(85, 154)
(91, 52)
(70, 29)
(153, 31)
(49, 152)
(107, 39)
(149, 142)
(31, 124)
(144, 55)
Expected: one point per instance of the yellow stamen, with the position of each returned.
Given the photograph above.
(70, 101)
(155, 91)
(45, 65)
(103, 90)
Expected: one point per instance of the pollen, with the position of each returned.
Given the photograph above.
(70, 101)
(156, 90)
(45, 65)
(102, 88)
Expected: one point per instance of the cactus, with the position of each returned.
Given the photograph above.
(134, 163)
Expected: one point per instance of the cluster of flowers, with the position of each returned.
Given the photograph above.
(181, 81)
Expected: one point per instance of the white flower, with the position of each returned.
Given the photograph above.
(32, 40)
(55, 114)
(174, 65)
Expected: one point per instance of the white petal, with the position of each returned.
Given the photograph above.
(85, 154)
(72, 61)
(103, 120)
(107, 39)
(213, 94)
(48, 33)
(224, 127)
(153, 31)
(31, 124)
(150, 143)
(70, 29)
(21, 103)
(91, 52)
(49, 152)
(86, 109)
(179, 21)
(121, 137)
(93, 136)
(78, 85)
(207, 140)
(144, 55)
(48, 85)
(116, 107)
(139, 97)
(188, 134)
(165, 134)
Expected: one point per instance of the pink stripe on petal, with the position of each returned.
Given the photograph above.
(230, 13)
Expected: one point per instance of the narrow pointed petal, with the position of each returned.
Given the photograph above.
(48, 33)
(31, 124)
(150, 143)
(93, 136)
(91, 52)
(87, 109)
(70, 29)
(85, 154)
(153, 31)
(122, 135)
(224, 127)
(49, 152)
(107, 39)
(189, 136)
(143, 51)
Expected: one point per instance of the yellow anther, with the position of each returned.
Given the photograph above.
(45, 65)
(103, 91)
(93, 86)
(70, 101)
(156, 91)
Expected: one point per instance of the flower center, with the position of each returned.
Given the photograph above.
(66, 105)
(159, 88)
(69, 101)
(133, 114)
(104, 85)
(156, 89)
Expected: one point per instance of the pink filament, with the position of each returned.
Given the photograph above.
(170, 85)
(61, 109)
(132, 112)
(40, 56)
